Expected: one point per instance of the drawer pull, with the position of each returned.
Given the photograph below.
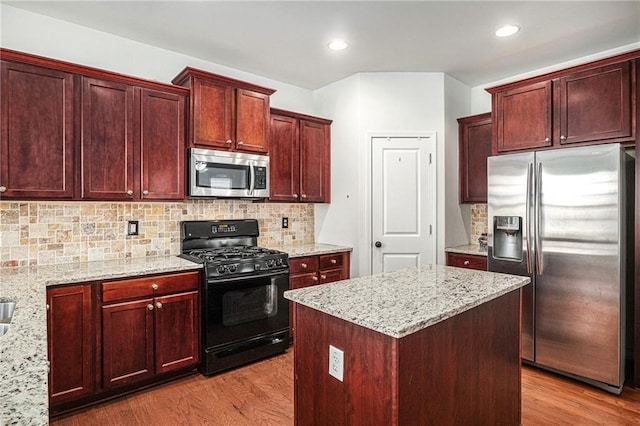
(323, 277)
(150, 307)
(303, 265)
(333, 261)
(315, 278)
(158, 305)
(154, 286)
(466, 263)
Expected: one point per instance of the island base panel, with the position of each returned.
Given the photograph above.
(464, 370)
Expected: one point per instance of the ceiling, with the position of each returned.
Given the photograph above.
(287, 40)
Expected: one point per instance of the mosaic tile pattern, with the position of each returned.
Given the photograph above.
(49, 233)
(478, 222)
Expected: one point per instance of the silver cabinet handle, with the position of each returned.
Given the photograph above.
(295, 195)
(48, 307)
(158, 305)
(130, 192)
(145, 192)
(315, 278)
(154, 286)
(323, 277)
(303, 196)
(563, 138)
(150, 307)
(333, 261)
(547, 139)
(466, 263)
(3, 188)
(240, 143)
(228, 141)
(303, 265)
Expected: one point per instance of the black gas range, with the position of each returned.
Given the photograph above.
(245, 316)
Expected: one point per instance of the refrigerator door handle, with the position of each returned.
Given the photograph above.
(538, 215)
(528, 216)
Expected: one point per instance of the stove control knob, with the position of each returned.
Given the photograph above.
(222, 269)
(279, 262)
(233, 268)
(257, 267)
(270, 263)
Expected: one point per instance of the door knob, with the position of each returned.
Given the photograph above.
(378, 244)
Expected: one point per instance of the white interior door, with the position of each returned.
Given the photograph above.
(403, 202)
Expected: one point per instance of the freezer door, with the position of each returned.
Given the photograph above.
(578, 286)
(510, 193)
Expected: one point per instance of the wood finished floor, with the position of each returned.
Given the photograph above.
(262, 394)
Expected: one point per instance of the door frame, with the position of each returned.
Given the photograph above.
(366, 229)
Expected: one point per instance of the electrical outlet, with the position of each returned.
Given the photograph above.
(133, 227)
(336, 363)
(285, 222)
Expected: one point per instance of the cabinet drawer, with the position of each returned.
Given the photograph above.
(330, 261)
(303, 280)
(303, 264)
(330, 275)
(113, 291)
(468, 261)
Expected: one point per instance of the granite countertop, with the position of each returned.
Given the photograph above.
(405, 301)
(23, 350)
(467, 249)
(24, 366)
(313, 249)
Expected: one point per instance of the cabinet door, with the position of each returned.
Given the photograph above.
(37, 142)
(284, 159)
(69, 343)
(162, 145)
(523, 117)
(474, 148)
(314, 162)
(107, 140)
(127, 342)
(177, 331)
(595, 105)
(252, 121)
(213, 118)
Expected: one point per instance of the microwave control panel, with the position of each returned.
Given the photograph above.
(261, 178)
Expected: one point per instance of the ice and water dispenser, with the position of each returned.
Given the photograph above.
(507, 237)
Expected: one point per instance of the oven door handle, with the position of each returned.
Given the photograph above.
(252, 177)
(226, 280)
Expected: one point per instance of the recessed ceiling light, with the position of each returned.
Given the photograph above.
(507, 30)
(338, 45)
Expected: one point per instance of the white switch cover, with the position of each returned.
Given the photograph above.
(336, 363)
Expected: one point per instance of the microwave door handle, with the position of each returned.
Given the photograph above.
(252, 177)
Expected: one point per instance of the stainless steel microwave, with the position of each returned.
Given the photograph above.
(228, 174)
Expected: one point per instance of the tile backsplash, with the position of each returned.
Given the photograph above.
(46, 233)
(478, 222)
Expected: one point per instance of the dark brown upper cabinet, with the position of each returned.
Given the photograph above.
(590, 103)
(474, 147)
(300, 158)
(226, 114)
(74, 132)
(38, 134)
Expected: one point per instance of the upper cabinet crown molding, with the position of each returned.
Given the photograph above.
(182, 78)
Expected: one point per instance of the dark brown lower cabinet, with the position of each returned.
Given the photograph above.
(70, 342)
(150, 326)
(113, 337)
(313, 270)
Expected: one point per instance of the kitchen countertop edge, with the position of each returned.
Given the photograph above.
(473, 249)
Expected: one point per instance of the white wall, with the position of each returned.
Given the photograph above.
(40, 35)
(383, 103)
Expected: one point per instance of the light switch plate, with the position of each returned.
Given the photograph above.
(336, 363)
(133, 227)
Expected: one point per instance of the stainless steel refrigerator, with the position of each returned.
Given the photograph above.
(561, 217)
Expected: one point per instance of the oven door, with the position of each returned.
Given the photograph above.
(243, 308)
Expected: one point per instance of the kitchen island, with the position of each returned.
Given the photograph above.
(429, 345)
